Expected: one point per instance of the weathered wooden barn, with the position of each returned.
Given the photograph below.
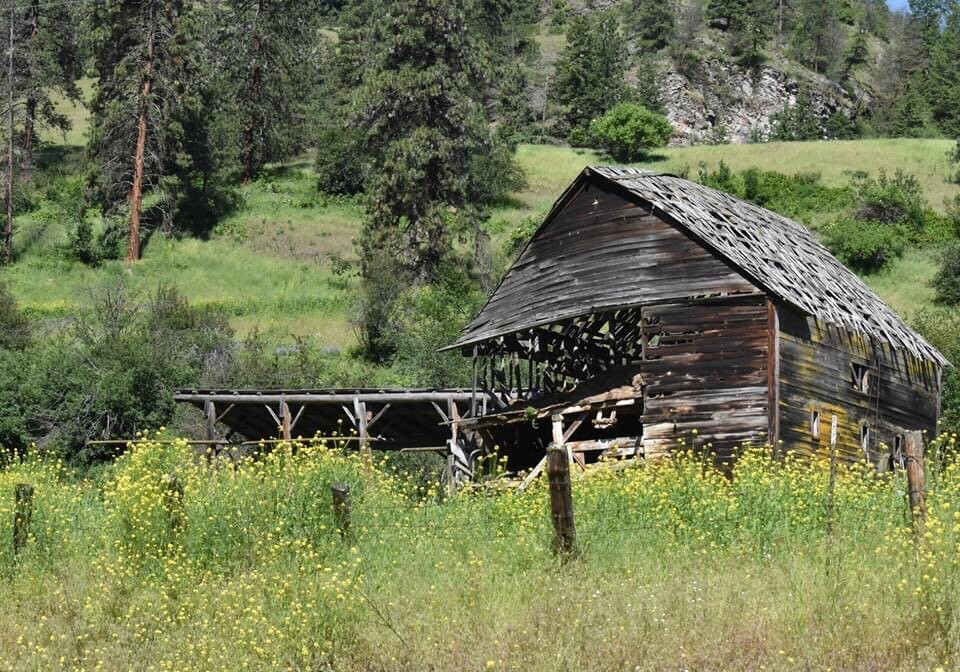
(648, 309)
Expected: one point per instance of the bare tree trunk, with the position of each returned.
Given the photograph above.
(8, 229)
(30, 114)
(136, 191)
(251, 163)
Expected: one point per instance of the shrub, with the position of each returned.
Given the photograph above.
(941, 327)
(866, 246)
(628, 131)
(14, 325)
(947, 280)
(892, 200)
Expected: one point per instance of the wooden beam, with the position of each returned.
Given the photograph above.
(210, 411)
(285, 425)
(379, 415)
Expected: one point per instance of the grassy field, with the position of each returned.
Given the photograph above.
(677, 568)
(269, 263)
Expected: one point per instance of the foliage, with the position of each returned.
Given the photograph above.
(798, 121)
(628, 131)
(864, 245)
(590, 72)
(650, 23)
(817, 39)
(110, 373)
(941, 327)
(14, 325)
(248, 569)
(947, 280)
(799, 196)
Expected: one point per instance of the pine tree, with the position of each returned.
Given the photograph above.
(943, 76)
(271, 61)
(651, 22)
(590, 71)
(139, 50)
(817, 37)
(911, 116)
(49, 66)
(430, 160)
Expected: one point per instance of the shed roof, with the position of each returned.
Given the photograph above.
(777, 254)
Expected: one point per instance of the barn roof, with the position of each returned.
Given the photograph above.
(777, 254)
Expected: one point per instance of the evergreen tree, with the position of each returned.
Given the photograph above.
(431, 160)
(590, 71)
(271, 61)
(139, 52)
(911, 116)
(724, 13)
(943, 76)
(651, 23)
(817, 38)
(49, 66)
(927, 16)
(857, 52)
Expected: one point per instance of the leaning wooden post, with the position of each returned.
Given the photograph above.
(173, 500)
(561, 501)
(22, 512)
(916, 478)
(341, 508)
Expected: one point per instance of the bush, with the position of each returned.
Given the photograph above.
(947, 280)
(14, 325)
(941, 328)
(628, 131)
(866, 246)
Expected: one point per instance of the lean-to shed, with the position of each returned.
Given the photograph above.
(647, 309)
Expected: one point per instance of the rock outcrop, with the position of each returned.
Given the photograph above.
(720, 102)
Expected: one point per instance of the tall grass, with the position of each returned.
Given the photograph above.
(678, 568)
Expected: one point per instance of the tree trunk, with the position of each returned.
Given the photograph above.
(136, 191)
(251, 160)
(29, 136)
(8, 228)
(30, 113)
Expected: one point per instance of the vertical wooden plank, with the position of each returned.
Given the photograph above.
(832, 483)
(558, 441)
(773, 374)
(285, 432)
(360, 408)
(561, 502)
(210, 411)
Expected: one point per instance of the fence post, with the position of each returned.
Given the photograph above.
(22, 512)
(916, 478)
(341, 508)
(173, 500)
(561, 501)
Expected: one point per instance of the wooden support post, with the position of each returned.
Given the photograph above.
(561, 501)
(173, 500)
(341, 508)
(558, 441)
(285, 427)
(916, 478)
(22, 512)
(210, 411)
(360, 410)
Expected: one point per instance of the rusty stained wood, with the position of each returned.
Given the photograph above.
(816, 374)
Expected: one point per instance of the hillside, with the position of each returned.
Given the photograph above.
(269, 265)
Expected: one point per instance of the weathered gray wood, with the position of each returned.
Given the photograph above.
(532, 476)
(285, 425)
(210, 413)
(360, 411)
(22, 513)
(341, 508)
(916, 478)
(832, 482)
(561, 501)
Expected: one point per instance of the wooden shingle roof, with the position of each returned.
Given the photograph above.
(776, 254)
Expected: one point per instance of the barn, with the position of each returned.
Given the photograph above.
(648, 309)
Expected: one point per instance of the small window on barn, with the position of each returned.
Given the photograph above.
(865, 438)
(861, 378)
(815, 424)
(897, 460)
